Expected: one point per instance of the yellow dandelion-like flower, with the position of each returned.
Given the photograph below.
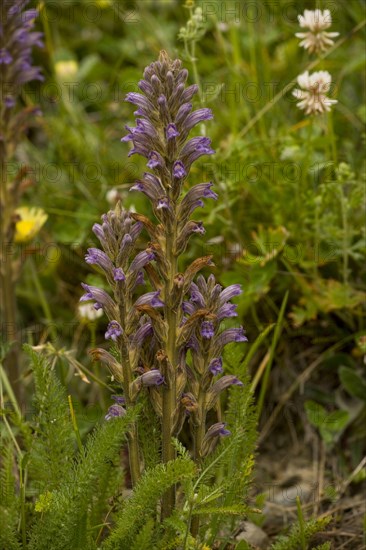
(30, 222)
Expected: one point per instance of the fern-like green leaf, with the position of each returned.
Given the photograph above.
(293, 540)
(143, 540)
(142, 504)
(234, 510)
(53, 445)
(65, 524)
(9, 501)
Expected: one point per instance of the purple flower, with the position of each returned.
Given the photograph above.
(197, 227)
(98, 231)
(187, 307)
(227, 310)
(114, 330)
(152, 378)
(150, 298)
(182, 113)
(119, 399)
(118, 274)
(193, 198)
(229, 292)
(212, 436)
(139, 279)
(171, 131)
(114, 411)
(179, 171)
(230, 335)
(218, 429)
(143, 332)
(162, 203)
(215, 366)
(198, 116)
(97, 257)
(5, 57)
(189, 92)
(98, 295)
(9, 102)
(223, 383)
(155, 160)
(196, 296)
(142, 259)
(207, 330)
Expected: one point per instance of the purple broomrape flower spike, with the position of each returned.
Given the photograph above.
(17, 40)
(114, 330)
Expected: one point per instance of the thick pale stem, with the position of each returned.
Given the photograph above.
(198, 438)
(169, 392)
(133, 442)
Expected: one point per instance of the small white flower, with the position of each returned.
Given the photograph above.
(313, 94)
(316, 39)
(87, 312)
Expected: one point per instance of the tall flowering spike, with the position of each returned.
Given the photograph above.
(316, 39)
(17, 40)
(313, 93)
(155, 331)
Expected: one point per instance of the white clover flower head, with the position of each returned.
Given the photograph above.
(316, 39)
(313, 98)
(87, 312)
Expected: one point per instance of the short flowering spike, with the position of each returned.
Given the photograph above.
(114, 330)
